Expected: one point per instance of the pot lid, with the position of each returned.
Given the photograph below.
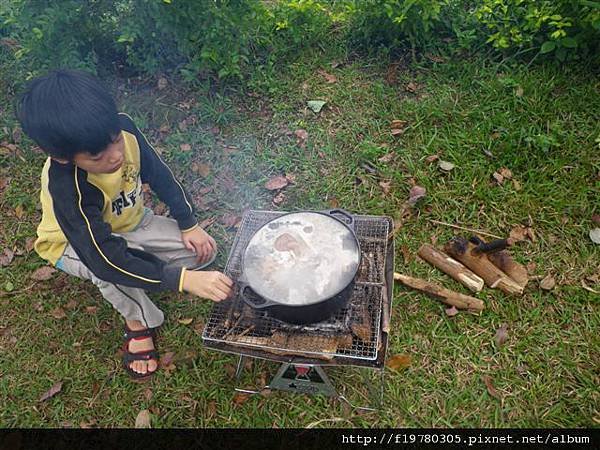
(301, 258)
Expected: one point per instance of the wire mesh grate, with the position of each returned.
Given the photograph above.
(352, 333)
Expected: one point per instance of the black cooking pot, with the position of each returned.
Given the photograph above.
(300, 267)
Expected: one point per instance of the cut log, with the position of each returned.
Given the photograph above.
(505, 262)
(479, 263)
(461, 301)
(451, 267)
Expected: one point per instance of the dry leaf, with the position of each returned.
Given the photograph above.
(498, 177)
(506, 173)
(398, 132)
(432, 158)
(445, 165)
(148, 394)
(519, 91)
(398, 362)
(166, 360)
(596, 219)
(52, 391)
(162, 83)
(201, 169)
(71, 304)
(516, 185)
(412, 87)
(548, 283)
(386, 186)
(490, 387)
(416, 193)
(328, 77)
(398, 124)
(19, 212)
(275, 183)
(29, 244)
(386, 158)
(501, 335)
(334, 202)
(185, 321)
(230, 220)
(43, 273)
(185, 147)
(291, 177)
(58, 313)
(520, 233)
(279, 199)
(143, 419)
(452, 311)
(406, 254)
(91, 309)
(302, 136)
(240, 398)
(7, 257)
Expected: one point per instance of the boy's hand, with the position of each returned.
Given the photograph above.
(201, 243)
(215, 286)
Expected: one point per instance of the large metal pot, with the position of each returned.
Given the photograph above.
(300, 267)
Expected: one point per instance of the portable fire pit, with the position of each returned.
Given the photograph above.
(356, 336)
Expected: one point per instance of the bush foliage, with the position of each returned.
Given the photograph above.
(235, 38)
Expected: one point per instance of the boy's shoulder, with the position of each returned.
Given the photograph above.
(126, 123)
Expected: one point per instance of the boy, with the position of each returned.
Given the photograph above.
(94, 225)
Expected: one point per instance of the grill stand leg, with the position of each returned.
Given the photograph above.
(311, 379)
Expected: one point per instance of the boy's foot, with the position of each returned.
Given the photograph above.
(141, 344)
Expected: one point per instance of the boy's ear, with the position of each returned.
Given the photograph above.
(59, 160)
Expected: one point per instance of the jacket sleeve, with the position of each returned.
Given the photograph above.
(78, 209)
(159, 176)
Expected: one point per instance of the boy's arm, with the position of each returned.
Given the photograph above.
(159, 176)
(78, 209)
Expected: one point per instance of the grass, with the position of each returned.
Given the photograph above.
(540, 122)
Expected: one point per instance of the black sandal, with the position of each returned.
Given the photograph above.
(145, 355)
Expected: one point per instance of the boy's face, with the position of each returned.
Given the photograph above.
(108, 160)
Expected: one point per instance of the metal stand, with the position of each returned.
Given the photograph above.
(311, 379)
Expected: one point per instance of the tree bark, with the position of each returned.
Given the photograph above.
(479, 263)
(460, 301)
(504, 261)
(451, 267)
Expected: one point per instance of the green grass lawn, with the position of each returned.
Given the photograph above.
(542, 123)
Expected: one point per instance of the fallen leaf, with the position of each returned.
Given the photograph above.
(29, 244)
(275, 183)
(490, 387)
(291, 177)
(43, 273)
(520, 233)
(316, 105)
(240, 398)
(328, 77)
(530, 234)
(445, 165)
(143, 419)
(386, 186)
(398, 362)
(334, 202)
(406, 254)
(3, 183)
(386, 158)
(498, 177)
(19, 212)
(398, 124)
(162, 83)
(7, 257)
(91, 309)
(230, 220)
(71, 304)
(501, 335)
(595, 235)
(166, 359)
(416, 193)
(596, 219)
(519, 91)
(398, 131)
(148, 394)
(185, 321)
(506, 173)
(201, 169)
(412, 87)
(516, 185)
(548, 283)
(185, 147)
(452, 311)
(58, 313)
(212, 408)
(435, 58)
(279, 199)
(52, 391)
(432, 158)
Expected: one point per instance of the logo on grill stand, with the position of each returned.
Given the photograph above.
(303, 379)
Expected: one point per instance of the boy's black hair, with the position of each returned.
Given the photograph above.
(68, 112)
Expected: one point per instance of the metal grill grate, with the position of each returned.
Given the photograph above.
(352, 333)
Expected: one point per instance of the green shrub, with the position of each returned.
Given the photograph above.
(564, 28)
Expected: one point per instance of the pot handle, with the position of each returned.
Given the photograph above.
(250, 299)
(346, 216)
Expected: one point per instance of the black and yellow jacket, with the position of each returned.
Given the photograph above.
(85, 209)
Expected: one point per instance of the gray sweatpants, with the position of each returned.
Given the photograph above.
(155, 234)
